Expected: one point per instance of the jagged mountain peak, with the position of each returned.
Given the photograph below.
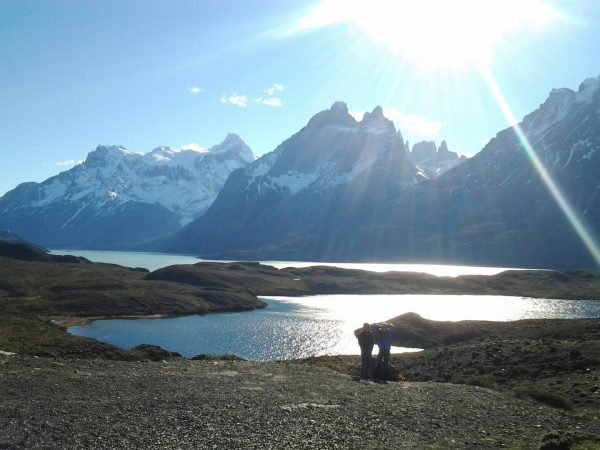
(233, 142)
(376, 122)
(588, 89)
(559, 104)
(376, 114)
(338, 106)
(113, 150)
(433, 161)
(337, 115)
(105, 154)
(443, 147)
(161, 154)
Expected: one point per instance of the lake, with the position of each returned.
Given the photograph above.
(155, 261)
(320, 325)
(309, 326)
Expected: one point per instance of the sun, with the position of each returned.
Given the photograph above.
(434, 34)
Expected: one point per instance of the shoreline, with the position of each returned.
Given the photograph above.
(68, 322)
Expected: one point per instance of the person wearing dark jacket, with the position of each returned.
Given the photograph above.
(366, 342)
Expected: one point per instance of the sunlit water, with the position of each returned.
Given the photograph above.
(309, 326)
(320, 325)
(155, 261)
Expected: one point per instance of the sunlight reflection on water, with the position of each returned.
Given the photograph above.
(320, 325)
(153, 261)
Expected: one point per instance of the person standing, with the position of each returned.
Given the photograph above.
(384, 342)
(366, 341)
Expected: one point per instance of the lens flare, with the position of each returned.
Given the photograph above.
(558, 196)
(433, 34)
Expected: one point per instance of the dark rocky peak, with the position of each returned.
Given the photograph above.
(443, 154)
(399, 134)
(376, 123)
(337, 115)
(424, 151)
(559, 104)
(376, 114)
(443, 148)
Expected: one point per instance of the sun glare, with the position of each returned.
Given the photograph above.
(433, 34)
(568, 211)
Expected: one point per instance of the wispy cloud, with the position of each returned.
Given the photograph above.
(69, 162)
(195, 90)
(241, 101)
(269, 101)
(410, 125)
(277, 87)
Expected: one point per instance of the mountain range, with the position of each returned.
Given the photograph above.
(341, 189)
(116, 199)
(346, 190)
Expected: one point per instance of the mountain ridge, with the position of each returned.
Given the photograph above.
(493, 209)
(117, 197)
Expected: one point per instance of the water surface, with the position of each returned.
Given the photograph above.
(155, 261)
(319, 325)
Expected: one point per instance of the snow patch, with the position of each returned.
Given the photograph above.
(295, 182)
(590, 154)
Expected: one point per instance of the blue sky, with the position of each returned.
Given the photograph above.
(75, 74)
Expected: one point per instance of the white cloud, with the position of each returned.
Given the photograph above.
(69, 162)
(358, 115)
(241, 101)
(411, 126)
(270, 101)
(277, 87)
(195, 90)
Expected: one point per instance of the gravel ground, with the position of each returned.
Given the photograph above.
(78, 404)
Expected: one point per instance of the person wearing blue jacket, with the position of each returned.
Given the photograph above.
(384, 342)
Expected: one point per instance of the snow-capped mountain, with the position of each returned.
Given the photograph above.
(346, 190)
(515, 203)
(117, 197)
(315, 179)
(333, 149)
(433, 161)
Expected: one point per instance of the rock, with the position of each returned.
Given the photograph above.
(390, 373)
(155, 352)
(205, 357)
